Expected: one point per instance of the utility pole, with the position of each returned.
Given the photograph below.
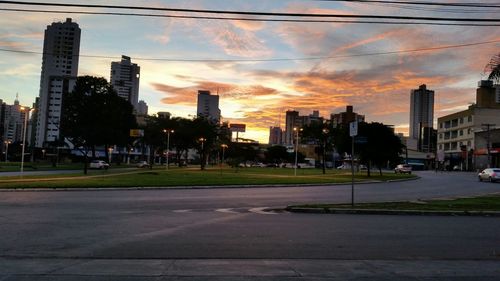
(487, 126)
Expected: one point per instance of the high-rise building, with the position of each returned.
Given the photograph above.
(275, 134)
(344, 118)
(125, 80)
(421, 114)
(61, 50)
(12, 121)
(294, 120)
(142, 108)
(208, 106)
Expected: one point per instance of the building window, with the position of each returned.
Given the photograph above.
(440, 125)
(440, 136)
(461, 132)
(469, 118)
(469, 131)
(461, 120)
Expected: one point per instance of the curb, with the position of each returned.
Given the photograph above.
(197, 186)
(391, 212)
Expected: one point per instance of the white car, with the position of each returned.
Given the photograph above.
(98, 164)
(402, 169)
(490, 174)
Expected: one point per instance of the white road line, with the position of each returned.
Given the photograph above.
(226, 210)
(181, 211)
(261, 211)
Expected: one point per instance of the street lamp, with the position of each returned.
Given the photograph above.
(110, 151)
(168, 131)
(325, 135)
(224, 146)
(202, 152)
(43, 154)
(296, 130)
(26, 115)
(7, 142)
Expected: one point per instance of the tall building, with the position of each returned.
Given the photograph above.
(275, 134)
(344, 118)
(12, 122)
(125, 80)
(294, 120)
(208, 106)
(142, 108)
(61, 51)
(421, 114)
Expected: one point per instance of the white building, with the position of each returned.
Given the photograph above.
(124, 78)
(421, 113)
(13, 119)
(61, 50)
(208, 106)
(457, 132)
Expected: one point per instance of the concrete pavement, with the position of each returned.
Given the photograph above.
(245, 269)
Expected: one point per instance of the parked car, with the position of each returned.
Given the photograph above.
(402, 169)
(142, 164)
(98, 164)
(490, 174)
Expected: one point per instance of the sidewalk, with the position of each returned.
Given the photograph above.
(245, 269)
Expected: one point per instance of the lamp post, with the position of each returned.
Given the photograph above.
(168, 131)
(26, 113)
(7, 142)
(325, 135)
(202, 152)
(296, 148)
(110, 151)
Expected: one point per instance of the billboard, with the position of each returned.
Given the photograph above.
(136, 133)
(237, 128)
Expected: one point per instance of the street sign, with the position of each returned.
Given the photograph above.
(353, 129)
(360, 140)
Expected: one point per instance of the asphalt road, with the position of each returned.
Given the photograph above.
(69, 229)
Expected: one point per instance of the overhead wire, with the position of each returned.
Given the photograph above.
(425, 3)
(251, 19)
(273, 60)
(251, 13)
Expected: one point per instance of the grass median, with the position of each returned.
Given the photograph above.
(482, 203)
(214, 176)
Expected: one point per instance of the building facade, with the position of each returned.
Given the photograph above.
(344, 118)
(457, 132)
(124, 78)
(61, 51)
(208, 106)
(421, 115)
(275, 135)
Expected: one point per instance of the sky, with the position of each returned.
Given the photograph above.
(268, 67)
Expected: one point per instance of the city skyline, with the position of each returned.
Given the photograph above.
(259, 92)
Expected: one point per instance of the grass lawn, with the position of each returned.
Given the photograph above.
(213, 176)
(482, 203)
(40, 166)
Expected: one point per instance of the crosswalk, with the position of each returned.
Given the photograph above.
(255, 210)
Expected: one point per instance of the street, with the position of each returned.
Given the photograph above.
(231, 225)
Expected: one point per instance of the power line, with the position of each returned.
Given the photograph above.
(428, 9)
(270, 60)
(251, 19)
(246, 13)
(426, 3)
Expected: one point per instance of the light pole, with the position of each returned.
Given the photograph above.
(325, 135)
(168, 131)
(7, 142)
(202, 152)
(43, 154)
(26, 114)
(296, 148)
(110, 151)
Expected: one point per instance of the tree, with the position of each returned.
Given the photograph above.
(93, 114)
(320, 134)
(276, 154)
(382, 145)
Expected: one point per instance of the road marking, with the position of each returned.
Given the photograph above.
(261, 211)
(182, 211)
(226, 210)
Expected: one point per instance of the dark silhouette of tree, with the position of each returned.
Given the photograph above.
(276, 154)
(93, 114)
(321, 135)
(382, 145)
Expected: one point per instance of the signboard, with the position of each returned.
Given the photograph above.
(360, 140)
(136, 133)
(240, 128)
(353, 129)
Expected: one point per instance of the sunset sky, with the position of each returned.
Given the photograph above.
(255, 87)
